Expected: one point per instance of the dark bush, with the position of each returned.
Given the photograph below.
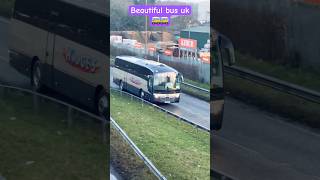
(189, 71)
(259, 32)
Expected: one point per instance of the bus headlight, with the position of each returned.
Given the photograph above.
(158, 96)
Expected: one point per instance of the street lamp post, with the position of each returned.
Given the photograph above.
(189, 25)
(146, 38)
(188, 51)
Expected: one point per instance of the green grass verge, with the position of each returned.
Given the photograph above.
(194, 92)
(6, 7)
(304, 76)
(124, 159)
(42, 146)
(179, 150)
(286, 105)
(198, 84)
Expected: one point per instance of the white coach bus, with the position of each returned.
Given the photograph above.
(148, 79)
(63, 45)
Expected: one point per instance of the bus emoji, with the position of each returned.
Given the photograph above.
(164, 20)
(156, 20)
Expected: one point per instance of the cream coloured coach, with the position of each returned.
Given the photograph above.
(148, 79)
(62, 45)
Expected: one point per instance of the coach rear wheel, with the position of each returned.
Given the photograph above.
(102, 104)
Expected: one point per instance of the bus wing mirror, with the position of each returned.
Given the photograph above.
(180, 78)
(227, 45)
(231, 59)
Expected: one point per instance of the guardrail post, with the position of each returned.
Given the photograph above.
(104, 130)
(69, 116)
(166, 114)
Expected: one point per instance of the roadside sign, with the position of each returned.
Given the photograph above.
(153, 49)
(168, 52)
(129, 42)
(188, 43)
(205, 57)
(138, 45)
(116, 39)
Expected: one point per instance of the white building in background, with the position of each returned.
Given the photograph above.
(204, 11)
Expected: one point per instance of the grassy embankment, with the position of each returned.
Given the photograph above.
(124, 159)
(177, 149)
(194, 92)
(42, 146)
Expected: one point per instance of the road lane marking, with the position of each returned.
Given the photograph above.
(3, 20)
(237, 145)
(299, 127)
(279, 119)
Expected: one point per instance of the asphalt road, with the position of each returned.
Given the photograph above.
(253, 144)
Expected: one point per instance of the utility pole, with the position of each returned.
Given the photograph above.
(146, 31)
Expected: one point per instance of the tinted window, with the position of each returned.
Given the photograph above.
(120, 63)
(35, 12)
(81, 25)
(132, 68)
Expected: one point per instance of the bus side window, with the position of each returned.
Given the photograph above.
(116, 63)
(26, 11)
(135, 70)
(121, 64)
(129, 67)
(72, 25)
